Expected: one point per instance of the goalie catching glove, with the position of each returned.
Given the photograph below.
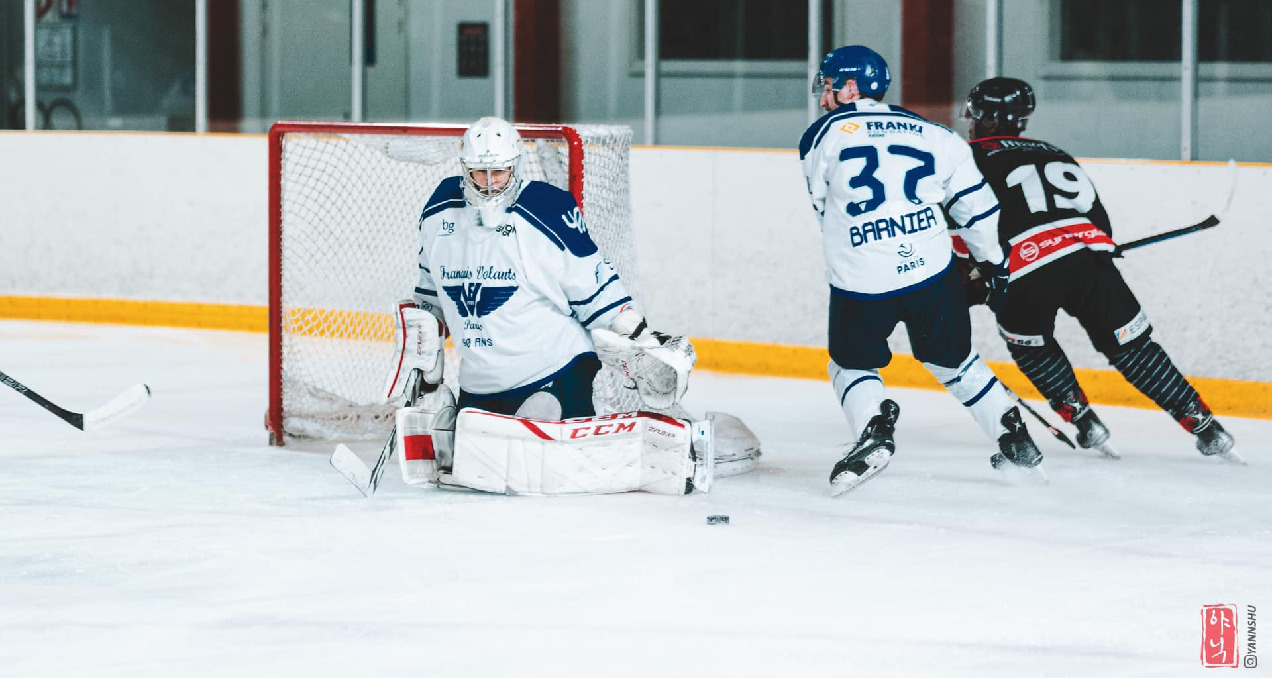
(655, 364)
(418, 336)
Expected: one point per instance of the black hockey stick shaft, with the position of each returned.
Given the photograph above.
(386, 453)
(73, 418)
(1059, 435)
(1209, 222)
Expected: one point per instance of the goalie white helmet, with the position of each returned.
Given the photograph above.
(489, 152)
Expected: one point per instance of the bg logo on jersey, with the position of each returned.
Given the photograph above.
(477, 299)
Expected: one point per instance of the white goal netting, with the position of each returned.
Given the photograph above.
(345, 205)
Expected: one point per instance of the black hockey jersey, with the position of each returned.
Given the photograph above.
(1050, 208)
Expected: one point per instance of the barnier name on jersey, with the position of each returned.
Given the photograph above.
(891, 227)
(483, 273)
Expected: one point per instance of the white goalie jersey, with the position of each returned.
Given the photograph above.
(882, 180)
(518, 297)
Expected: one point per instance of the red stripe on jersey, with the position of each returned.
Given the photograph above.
(960, 247)
(1052, 243)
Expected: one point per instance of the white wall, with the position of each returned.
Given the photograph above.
(727, 243)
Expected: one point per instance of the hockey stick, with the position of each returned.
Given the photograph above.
(131, 399)
(1059, 435)
(365, 478)
(1209, 222)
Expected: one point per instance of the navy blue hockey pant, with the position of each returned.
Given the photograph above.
(935, 316)
(571, 386)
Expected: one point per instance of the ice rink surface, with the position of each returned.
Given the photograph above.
(177, 543)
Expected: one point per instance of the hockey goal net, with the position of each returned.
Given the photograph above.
(344, 203)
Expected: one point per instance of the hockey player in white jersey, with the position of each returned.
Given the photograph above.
(882, 180)
(508, 269)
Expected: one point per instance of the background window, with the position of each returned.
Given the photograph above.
(735, 30)
(1149, 30)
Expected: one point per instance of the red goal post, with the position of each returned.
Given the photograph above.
(344, 201)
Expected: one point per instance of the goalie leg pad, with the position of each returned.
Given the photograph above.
(620, 452)
(426, 436)
(737, 449)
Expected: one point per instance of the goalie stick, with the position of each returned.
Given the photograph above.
(121, 405)
(365, 478)
(1209, 222)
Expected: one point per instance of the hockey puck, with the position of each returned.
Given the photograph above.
(717, 520)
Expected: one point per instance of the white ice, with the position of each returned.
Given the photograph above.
(177, 543)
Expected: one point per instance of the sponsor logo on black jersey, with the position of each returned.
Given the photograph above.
(477, 299)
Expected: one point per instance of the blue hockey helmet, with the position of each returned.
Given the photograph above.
(859, 63)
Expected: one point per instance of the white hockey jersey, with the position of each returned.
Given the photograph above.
(519, 297)
(882, 180)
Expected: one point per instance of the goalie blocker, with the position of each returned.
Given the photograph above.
(621, 452)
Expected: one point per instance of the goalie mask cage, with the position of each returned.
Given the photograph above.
(344, 207)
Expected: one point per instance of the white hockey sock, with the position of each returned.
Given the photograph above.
(859, 393)
(975, 385)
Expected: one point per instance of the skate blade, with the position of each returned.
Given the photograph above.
(848, 480)
(1022, 476)
(1107, 450)
(1233, 458)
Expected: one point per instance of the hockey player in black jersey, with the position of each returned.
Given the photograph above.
(1060, 248)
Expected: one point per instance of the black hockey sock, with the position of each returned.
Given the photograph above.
(1050, 371)
(1150, 370)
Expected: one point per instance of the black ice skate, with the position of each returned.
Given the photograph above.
(1093, 434)
(871, 454)
(1017, 454)
(1212, 439)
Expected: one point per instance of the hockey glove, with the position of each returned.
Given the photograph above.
(974, 287)
(419, 343)
(657, 365)
(995, 278)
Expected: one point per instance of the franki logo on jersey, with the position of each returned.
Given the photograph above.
(849, 127)
(574, 219)
(876, 128)
(477, 299)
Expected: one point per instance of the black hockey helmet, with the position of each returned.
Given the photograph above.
(1006, 102)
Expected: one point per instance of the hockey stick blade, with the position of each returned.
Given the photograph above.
(131, 400)
(352, 468)
(365, 478)
(1209, 222)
